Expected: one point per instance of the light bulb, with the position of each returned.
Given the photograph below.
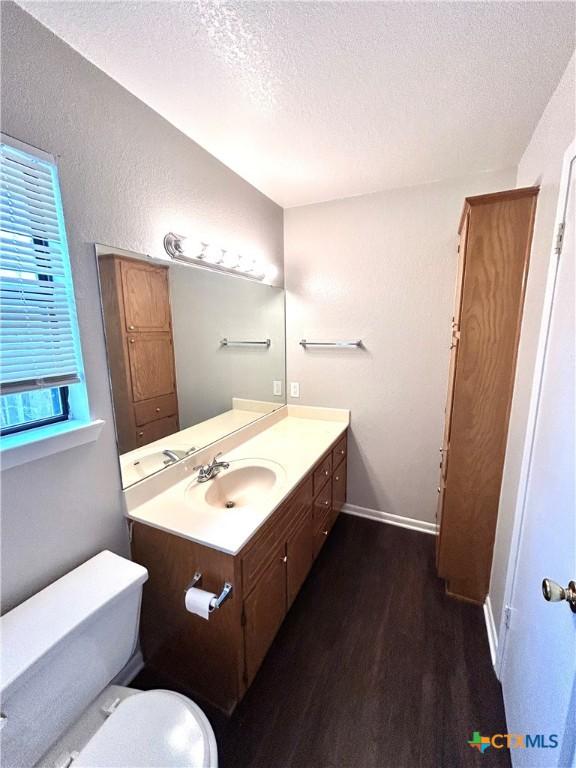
(246, 264)
(270, 273)
(230, 260)
(203, 251)
(212, 255)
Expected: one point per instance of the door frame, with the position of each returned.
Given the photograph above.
(568, 168)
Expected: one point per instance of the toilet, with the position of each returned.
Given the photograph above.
(61, 650)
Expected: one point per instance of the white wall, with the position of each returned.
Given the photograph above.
(381, 267)
(207, 307)
(127, 177)
(541, 164)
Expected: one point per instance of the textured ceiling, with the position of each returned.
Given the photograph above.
(312, 101)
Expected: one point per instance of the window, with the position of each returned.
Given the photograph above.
(41, 373)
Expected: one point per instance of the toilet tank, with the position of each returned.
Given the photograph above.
(60, 648)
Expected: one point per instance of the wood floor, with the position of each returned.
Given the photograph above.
(374, 667)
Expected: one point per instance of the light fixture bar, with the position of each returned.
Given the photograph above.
(174, 247)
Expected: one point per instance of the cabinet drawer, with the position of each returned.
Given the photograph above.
(156, 430)
(321, 534)
(339, 451)
(158, 408)
(322, 504)
(339, 487)
(322, 473)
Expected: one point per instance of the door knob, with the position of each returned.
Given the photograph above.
(554, 593)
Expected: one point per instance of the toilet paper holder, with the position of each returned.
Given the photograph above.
(216, 601)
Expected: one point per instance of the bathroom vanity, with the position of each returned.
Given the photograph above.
(250, 533)
(264, 549)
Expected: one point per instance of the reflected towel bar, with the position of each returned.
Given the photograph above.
(305, 343)
(232, 343)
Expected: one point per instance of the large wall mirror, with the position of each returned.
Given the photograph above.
(193, 355)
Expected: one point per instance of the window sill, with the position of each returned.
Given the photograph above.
(44, 441)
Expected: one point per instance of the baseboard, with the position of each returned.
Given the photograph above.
(390, 519)
(491, 630)
(129, 672)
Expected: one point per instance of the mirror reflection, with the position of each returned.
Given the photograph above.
(193, 355)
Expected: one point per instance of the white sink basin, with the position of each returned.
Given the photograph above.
(245, 483)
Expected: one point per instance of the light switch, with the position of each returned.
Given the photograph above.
(277, 387)
(294, 389)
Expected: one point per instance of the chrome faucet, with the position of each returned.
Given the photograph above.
(176, 455)
(209, 471)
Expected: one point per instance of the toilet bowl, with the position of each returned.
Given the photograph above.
(61, 649)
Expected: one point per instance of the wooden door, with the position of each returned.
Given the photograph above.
(146, 296)
(264, 611)
(300, 554)
(151, 365)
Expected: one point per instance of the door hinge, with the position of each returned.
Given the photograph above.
(507, 616)
(560, 238)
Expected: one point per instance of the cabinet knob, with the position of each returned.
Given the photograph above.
(285, 559)
(132, 341)
(337, 479)
(342, 451)
(324, 533)
(130, 327)
(326, 472)
(157, 410)
(140, 434)
(326, 503)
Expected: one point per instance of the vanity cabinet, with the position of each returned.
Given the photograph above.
(136, 301)
(217, 659)
(495, 239)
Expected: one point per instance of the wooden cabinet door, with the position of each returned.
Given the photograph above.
(300, 555)
(339, 487)
(151, 365)
(146, 296)
(264, 611)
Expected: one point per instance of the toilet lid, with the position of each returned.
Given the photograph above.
(153, 729)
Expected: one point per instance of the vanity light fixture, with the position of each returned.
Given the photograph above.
(220, 260)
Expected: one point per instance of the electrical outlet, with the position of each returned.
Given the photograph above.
(294, 389)
(277, 388)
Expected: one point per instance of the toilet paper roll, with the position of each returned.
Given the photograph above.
(198, 601)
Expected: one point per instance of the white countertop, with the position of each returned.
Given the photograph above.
(296, 442)
(142, 462)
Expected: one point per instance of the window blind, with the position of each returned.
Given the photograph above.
(38, 327)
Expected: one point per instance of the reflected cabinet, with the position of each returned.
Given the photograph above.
(136, 301)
